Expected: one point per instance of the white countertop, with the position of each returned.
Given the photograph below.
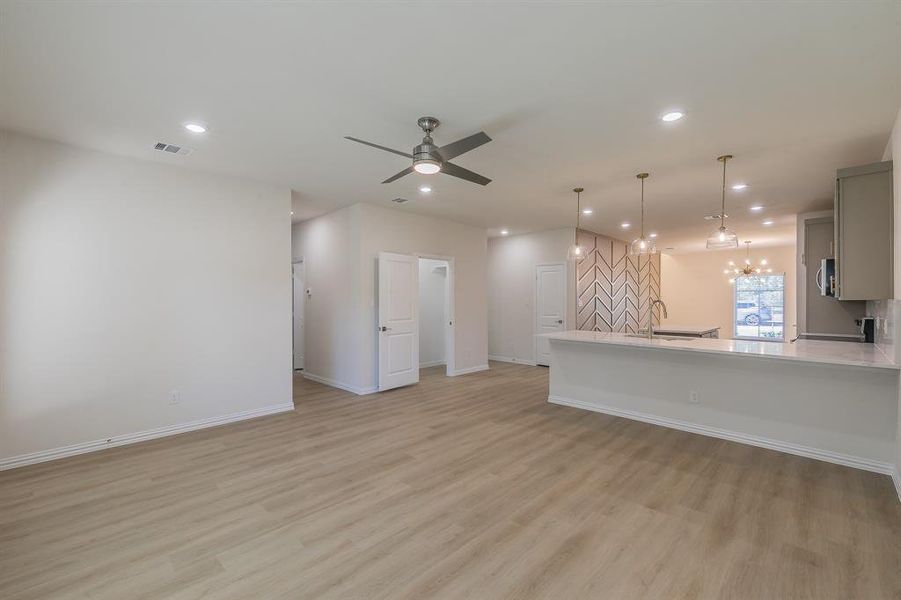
(684, 329)
(836, 353)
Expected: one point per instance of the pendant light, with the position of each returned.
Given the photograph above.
(748, 269)
(643, 245)
(723, 237)
(577, 252)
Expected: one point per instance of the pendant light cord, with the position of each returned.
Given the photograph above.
(578, 209)
(642, 208)
(723, 206)
(578, 192)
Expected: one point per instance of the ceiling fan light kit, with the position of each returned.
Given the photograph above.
(723, 237)
(428, 159)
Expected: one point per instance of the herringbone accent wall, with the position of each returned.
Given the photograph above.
(614, 289)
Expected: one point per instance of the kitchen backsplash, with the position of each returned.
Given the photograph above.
(888, 322)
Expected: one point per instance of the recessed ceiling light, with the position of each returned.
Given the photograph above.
(739, 186)
(626, 225)
(653, 235)
(504, 232)
(195, 127)
(756, 208)
(768, 222)
(672, 116)
(587, 211)
(425, 189)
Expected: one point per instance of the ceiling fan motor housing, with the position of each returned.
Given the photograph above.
(426, 151)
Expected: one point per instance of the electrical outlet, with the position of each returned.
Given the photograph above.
(174, 397)
(693, 397)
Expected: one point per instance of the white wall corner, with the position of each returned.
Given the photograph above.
(469, 370)
(896, 477)
(359, 391)
(511, 359)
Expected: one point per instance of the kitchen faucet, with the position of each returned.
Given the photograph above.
(651, 315)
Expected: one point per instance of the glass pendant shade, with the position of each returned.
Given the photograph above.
(643, 246)
(722, 238)
(576, 251)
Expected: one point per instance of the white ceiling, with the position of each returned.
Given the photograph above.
(571, 94)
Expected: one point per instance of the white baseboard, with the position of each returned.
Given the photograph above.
(734, 436)
(468, 370)
(140, 436)
(511, 359)
(431, 363)
(359, 391)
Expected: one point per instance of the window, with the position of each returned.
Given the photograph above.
(760, 307)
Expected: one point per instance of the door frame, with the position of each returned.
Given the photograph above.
(295, 261)
(535, 302)
(449, 342)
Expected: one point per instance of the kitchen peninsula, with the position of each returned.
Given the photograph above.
(835, 401)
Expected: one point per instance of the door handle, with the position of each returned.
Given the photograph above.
(817, 279)
(383, 328)
(560, 321)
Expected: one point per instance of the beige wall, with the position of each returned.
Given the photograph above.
(511, 289)
(698, 294)
(390, 230)
(893, 150)
(330, 248)
(124, 280)
(340, 252)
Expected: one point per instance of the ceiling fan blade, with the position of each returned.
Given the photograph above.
(457, 148)
(452, 169)
(353, 139)
(406, 171)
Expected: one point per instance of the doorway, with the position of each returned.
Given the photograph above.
(399, 316)
(550, 307)
(433, 312)
(297, 275)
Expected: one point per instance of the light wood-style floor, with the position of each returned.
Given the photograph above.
(467, 487)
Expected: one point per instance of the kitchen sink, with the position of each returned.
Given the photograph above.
(662, 337)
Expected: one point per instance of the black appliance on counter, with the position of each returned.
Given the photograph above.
(867, 329)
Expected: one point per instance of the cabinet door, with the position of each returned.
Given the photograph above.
(863, 209)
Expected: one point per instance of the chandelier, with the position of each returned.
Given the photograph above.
(747, 268)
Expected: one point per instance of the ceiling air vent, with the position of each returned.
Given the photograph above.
(714, 216)
(399, 200)
(173, 149)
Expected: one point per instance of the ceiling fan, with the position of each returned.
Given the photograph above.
(429, 159)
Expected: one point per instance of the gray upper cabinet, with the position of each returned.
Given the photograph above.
(863, 232)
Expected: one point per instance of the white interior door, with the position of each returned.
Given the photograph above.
(550, 306)
(297, 271)
(398, 280)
